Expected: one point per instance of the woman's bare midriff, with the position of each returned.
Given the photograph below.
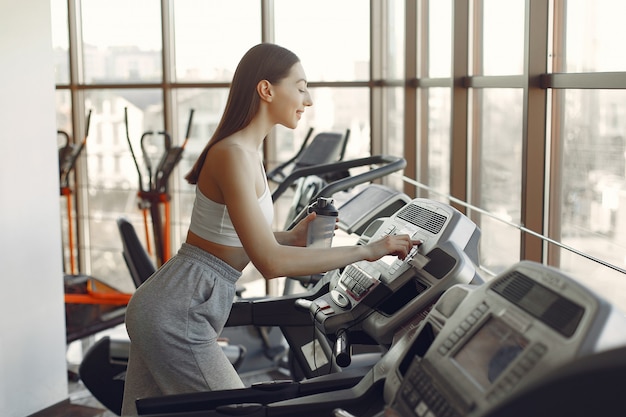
(233, 256)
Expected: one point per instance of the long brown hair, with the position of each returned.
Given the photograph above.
(264, 61)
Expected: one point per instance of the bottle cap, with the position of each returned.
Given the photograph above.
(324, 207)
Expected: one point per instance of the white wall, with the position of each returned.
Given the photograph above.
(33, 372)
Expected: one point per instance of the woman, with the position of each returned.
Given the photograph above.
(175, 317)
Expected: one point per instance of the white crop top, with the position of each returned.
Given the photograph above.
(211, 221)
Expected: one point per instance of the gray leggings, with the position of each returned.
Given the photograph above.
(174, 320)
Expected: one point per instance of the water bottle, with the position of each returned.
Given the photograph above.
(322, 229)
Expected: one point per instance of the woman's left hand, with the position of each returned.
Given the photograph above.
(300, 230)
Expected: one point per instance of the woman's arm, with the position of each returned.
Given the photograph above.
(297, 236)
(234, 171)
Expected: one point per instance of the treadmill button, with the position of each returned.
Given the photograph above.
(339, 299)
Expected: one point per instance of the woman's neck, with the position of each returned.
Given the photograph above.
(260, 126)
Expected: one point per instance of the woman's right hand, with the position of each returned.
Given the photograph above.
(396, 245)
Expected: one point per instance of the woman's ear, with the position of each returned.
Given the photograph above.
(264, 89)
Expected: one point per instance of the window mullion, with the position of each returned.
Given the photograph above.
(459, 105)
(534, 128)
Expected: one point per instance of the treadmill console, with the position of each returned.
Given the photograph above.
(481, 343)
(373, 202)
(378, 297)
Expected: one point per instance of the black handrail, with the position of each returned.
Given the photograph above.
(388, 164)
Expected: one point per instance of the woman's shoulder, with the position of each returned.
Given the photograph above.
(228, 147)
(224, 152)
(227, 156)
(224, 164)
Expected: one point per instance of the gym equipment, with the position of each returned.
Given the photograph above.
(379, 202)
(240, 318)
(480, 346)
(138, 260)
(532, 341)
(155, 193)
(274, 343)
(449, 250)
(483, 350)
(380, 166)
(68, 155)
(369, 308)
(325, 148)
(384, 165)
(115, 356)
(90, 305)
(589, 385)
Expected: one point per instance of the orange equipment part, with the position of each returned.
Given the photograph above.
(147, 230)
(67, 192)
(167, 244)
(99, 293)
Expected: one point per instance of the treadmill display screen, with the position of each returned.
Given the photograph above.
(352, 210)
(489, 352)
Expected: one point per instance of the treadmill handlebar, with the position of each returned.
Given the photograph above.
(343, 348)
(390, 164)
(303, 304)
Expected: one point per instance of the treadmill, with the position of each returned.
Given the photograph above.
(365, 303)
(531, 341)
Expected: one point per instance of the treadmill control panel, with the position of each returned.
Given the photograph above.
(480, 344)
(377, 297)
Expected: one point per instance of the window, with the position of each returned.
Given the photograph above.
(330, 37)
(593, 36)
(212, 35)
(121, 41)
(123, 77)
(499, 172)
(332, 41)
(393, 72)
(60, 41)
(593, 181)
(503, 37)
(453, 87)
(112, 180)
(207, 105)
(439, 141)
(439, 38)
